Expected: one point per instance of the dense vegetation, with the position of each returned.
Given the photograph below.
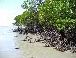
(60, 14)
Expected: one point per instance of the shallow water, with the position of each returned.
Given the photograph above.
(9, 41)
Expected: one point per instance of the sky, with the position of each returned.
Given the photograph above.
(8, 10)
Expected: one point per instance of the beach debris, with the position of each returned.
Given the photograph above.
(16, 48)
(24, 40)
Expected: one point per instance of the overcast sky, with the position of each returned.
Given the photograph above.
(8, 10)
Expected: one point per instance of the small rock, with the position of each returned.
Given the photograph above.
(24, 40)
(16, 48)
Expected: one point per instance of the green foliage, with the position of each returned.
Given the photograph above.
(18, 21)
(59, 13)
(29, 5)
(30, 16)
(26, 18)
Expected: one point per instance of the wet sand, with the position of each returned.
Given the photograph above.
(9, 41)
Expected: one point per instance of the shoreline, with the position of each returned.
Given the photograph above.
(38, 50)
(12, 46)
(34, 39)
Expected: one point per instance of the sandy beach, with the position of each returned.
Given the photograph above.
(12, 46)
